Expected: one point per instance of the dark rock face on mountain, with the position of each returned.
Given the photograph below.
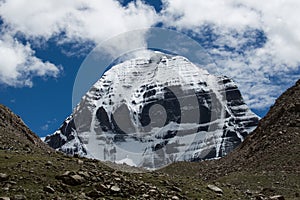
(266, 165)
(151, 112)
(273, 147)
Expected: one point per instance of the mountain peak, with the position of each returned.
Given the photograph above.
(154, 111)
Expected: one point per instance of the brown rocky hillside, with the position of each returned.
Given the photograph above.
(20, 137)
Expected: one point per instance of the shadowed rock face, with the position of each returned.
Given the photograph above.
(272, 150)
(155, 113)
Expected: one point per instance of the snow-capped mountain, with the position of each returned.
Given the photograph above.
(152, 112)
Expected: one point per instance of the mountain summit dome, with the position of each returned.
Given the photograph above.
(150, 112)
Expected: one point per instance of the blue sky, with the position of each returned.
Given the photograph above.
(42, 48)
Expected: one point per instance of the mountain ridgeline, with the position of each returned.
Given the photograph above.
(152, 112)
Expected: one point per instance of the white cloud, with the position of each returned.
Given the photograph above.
(70, 20)
(194, 13)
(18, 64)
(47, 125)
(262, 72)
(79, 19)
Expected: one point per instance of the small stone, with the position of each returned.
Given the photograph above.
(49, 163)
(260, 197)
(3, 177)
(248, 192)
(152, 191)
(101, 188)
(66, 173)
(117, 179)
(177, 189)
(77, 179)
(12, 182)
(175, 198)
(84, 174)
(153, 187)
(4, 198)
(277, 197)
(115, 188)
(69, 179)
(80, 162)
(115, 174)
(215, 189)
(49, 189)
(95, 194)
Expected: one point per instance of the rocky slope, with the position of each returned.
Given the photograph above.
(165, 107)
(268, 160)
(275, 144)
(19, 135)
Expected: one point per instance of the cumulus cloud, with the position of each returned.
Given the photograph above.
(69, 21)
(255, 42)
(78, 20)
(18, 64)
(193, 13)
